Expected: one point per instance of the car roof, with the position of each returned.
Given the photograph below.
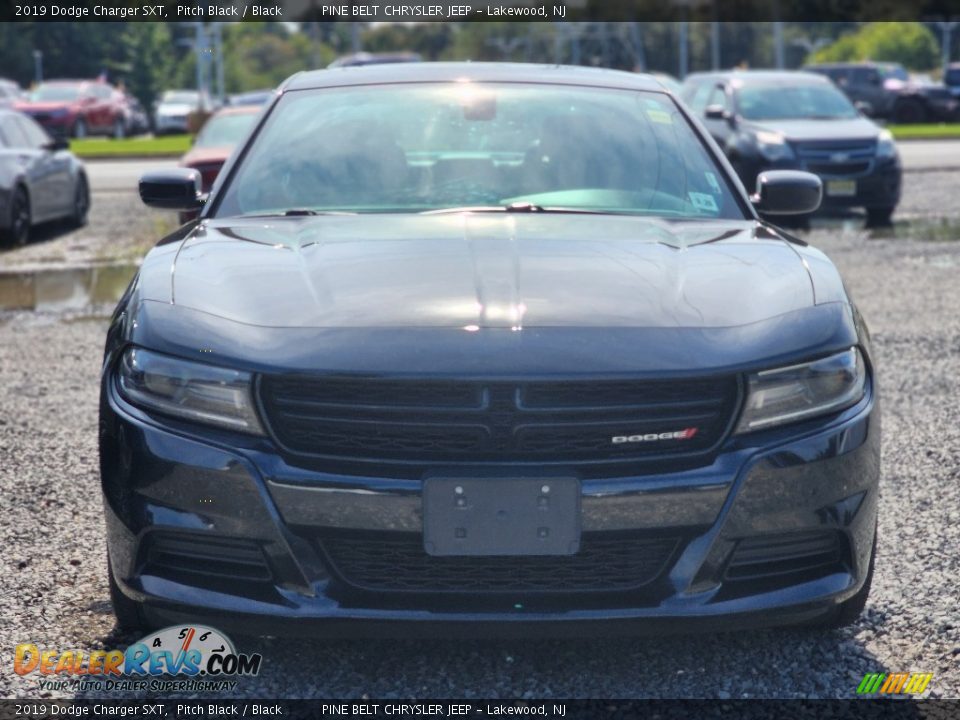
(761, 76)
(478, 72)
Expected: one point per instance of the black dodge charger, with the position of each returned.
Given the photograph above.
(488, 348)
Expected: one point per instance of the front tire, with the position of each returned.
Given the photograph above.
(81, 202)
(879, 216)
(119, 129)
(909, 112)
(18, 233)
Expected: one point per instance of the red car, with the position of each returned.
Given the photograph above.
(77, 108)
(214, 143)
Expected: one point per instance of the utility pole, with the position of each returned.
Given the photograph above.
(715, 41)
(946, 31)
(218, 50)
(199, 46)
(778, 42)
(683, 42)
(38, 66)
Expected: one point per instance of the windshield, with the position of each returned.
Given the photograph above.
(180, 98)
(225, 130)
(800, 102)
(55, 93)
(439, 146)
(894, 72)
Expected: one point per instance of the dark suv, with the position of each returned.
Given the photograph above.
(766, 120)
(885, 90)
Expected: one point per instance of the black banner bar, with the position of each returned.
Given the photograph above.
(470, 709)
(475, 10)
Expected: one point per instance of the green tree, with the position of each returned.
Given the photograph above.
(908, 43)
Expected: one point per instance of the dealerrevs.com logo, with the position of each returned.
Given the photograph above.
(177, 658)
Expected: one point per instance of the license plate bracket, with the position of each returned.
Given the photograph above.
(501, 516)
(841, 188)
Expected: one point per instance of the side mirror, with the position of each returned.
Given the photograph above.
(87, 100)
(57, 143)
(864, 107)
(716, 112)
(173, 189)
(787, 192)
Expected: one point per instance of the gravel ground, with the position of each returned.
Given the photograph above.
(120, 229)
(53, 560)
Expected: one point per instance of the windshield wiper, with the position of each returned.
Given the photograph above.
(517, 207)
(298, 212)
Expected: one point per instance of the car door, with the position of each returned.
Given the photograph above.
(55, 165)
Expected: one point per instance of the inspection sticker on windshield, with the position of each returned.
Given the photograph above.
(660, 116)
(702, 201)
(712, 180)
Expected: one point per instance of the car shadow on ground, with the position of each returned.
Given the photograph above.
(785, 662)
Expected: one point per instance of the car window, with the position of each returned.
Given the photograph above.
(35, 135)
(952, 76)
(783, 102)
(102, 91)
(718, 97)
(13, 132)
(434, 146)
(55, 93)
(698, 99)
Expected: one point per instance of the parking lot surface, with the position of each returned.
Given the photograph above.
(904, 279)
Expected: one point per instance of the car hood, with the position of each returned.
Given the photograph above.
(802, 130)
(488, 270)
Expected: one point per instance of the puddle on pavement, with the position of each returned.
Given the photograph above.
(56, 290)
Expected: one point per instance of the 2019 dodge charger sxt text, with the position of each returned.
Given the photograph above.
(486, 346)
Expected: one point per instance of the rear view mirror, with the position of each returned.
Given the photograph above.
(173, 189)
(787, 192)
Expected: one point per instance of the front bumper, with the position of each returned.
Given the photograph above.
(159, 483)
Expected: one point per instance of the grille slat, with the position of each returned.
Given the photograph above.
(399, 564)
(435, 421)
(168, 554)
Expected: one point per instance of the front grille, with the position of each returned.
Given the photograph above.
(207, 557)
(783, 556)
(398, 563)
(437, 421)
(839, 169)
(837, 158)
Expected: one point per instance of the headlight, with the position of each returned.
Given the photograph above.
(886, 148)
(797, 392)
(193, 391)
(773, 146)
